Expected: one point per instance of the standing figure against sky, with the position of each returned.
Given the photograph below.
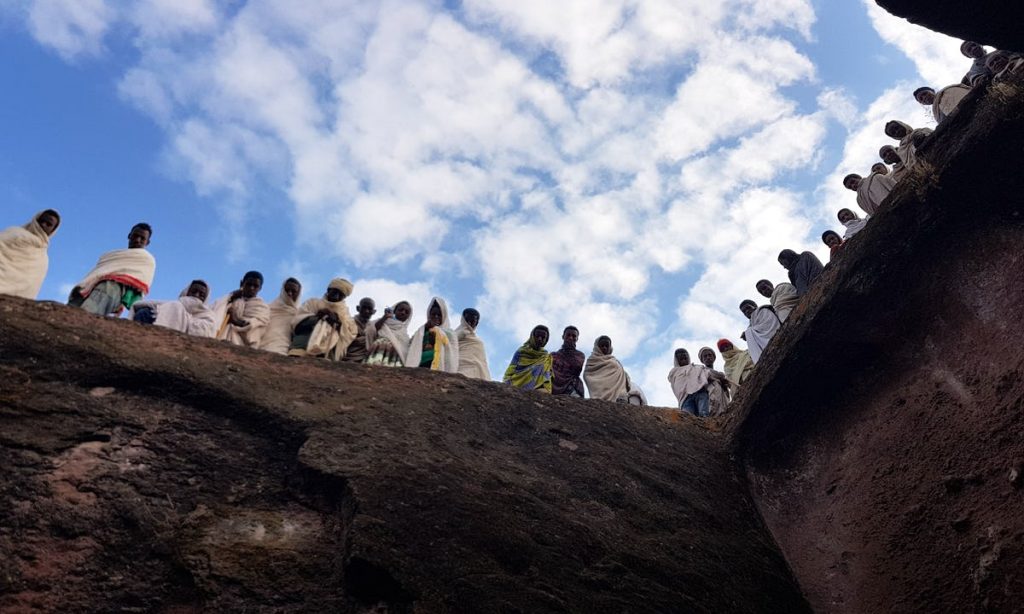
(606, 378)
(871, 190)
(783, 297)
(242, 316)
(472, 353)
(120, 278)
(278, 336)
(764, 323)
(23, 255)
(530, 367)
(434, 345)
(567, 365)
(719, 388)
(690, 385)
(852, 222)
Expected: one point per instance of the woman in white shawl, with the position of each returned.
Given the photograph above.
(387, 338)
(324, 326)
(23, 257)
(189, 314)
(472, 355)
(434, 345)
(278, 336)
(907, 150)
(783, 297)
(852, 222)
(604, 375)
(242, 316)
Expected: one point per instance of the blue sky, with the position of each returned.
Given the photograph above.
(629, 167)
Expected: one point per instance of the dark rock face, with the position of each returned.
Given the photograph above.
(883, 431)
(990, 22)
(146, 471)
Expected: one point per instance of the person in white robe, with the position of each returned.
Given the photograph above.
(889, 155)
(871, 190)
(277, 338)
(324, 327)
(852, 222)
(23, 255)
(189, 314)
(387, 338)
(979, 66)
(690, 385)
(783, 297)
(719, 388)
(120, 278)
(764, 323)
(242, 316)
(604, 375)
(472, 353)
(944, 102)
(909, 139)
(434, 345)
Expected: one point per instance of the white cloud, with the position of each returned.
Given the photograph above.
(72, 28)
(936, 56)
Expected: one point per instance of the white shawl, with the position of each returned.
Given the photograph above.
(472, 355)
(394, 330)
(187, 315)
(764, 323)
(605, 376)
(687, 380)
(906, 150)
(449, 354)
(23, 259)
(947, 100)
(873, 190)
(784, 300)
(253, 310)
(278, 336)
(339, 339)
(137, 264)
(854, 226)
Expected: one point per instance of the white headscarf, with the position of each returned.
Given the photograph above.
(446, 355)
(278, 336)
(687, 379)
(23, 259)
(394, 330)
(472, 354)
(605, 376)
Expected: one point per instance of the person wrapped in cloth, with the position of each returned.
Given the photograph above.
(324, 327)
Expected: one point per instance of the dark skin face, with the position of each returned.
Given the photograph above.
(890, 156)
(293, 290)
(538, 338)
(707, 358)
(682, 358)
(926, 98)
(251, 286)
(198, 291)
(747, 309)
(48, 223)
(138, 238)
(852, 183)
(402, 312)
(832, 240)
(846, 216)
(334, 295)
(726, 347)
(570, 337)
(879, 168)
(366, 308)
(434, 316)
(765, 289)
(604, 344)
(895, 131)
(973, 50)
(472, 318)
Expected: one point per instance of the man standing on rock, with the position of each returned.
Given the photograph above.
(803, 269)
(567, 365)
(783, 298)
(358, 351)
(764, 323)
(120, 278)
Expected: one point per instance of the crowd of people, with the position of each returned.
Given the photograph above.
(325, 327)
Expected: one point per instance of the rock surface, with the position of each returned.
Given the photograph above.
(989, 22)
(146, 471)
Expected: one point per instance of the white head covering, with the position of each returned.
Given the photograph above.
(605, 376)
(446, 355)
(23, 259)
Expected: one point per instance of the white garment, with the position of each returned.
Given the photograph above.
(253, 310)
(854, 226)
(339, 339)
(873, 190)
(137, 264)
(394, 331)
(764, 323)
(784, 300)
(187, 315)
(23, 259)
(605, 376)
(906, 150)
(472, 354)
(687, 380)
(947, 99)
(278, 335)
(446, 356)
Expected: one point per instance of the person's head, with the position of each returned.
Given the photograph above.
(831, 238)
(748, 307)
(682, 357)
(48, 220)
(889, 155)
(788, 258)
(972, 50)
(139, 236)
(707, 357)
(539, 336)
(435, 315)
(570, 336)
(925, 96)
(896, 129)
(852, 181)
(403, 310)
(198, 289)
(292, 288)
(471, 316)
(366, 308)
(724, 345)
(765, 288)
(338, 290)
(845, 216)
(879, 168)
(252, 283)
(604, 344)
